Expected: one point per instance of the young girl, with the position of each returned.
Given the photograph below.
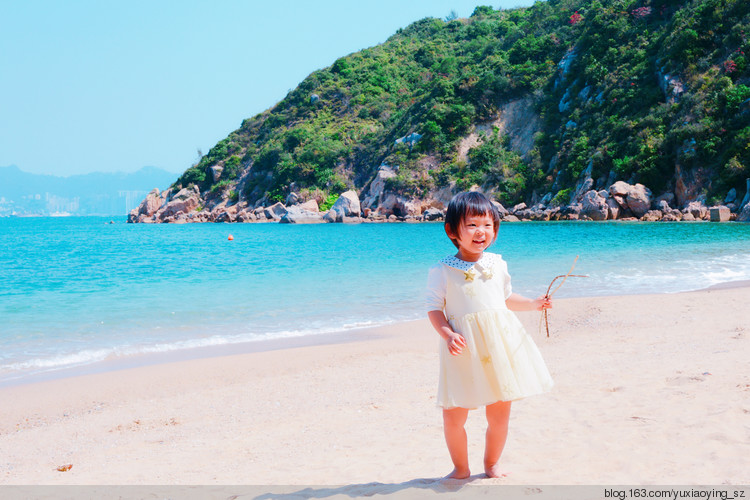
(486, 359)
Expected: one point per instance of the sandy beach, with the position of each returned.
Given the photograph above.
(650, 389)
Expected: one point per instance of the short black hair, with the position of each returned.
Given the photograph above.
(467, 204)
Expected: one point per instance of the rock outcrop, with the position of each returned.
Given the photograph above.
(689, 184)
(639, 200)
(613, 209)
(275, 211)
(744, 215)
(595, 206)
(375, 194)
(150, 204)
(697, 209)
(619, 201)
(432, 214)
(298, 215)
(347, 205)
(310, 206)
(746, 198)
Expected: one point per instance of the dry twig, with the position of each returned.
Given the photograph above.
(549, 294)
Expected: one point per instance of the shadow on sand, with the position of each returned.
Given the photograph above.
(416, 488)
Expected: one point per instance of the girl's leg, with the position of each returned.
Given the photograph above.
(498, 415)
(455, 437)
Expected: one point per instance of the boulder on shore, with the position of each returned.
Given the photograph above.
(332, 216)
(519, 207)
(619, 188)
(697, 209)
(185, 201)
(246, 216)
(310, 206)
(150, 204)
(275, 211)
(298, 215)
(652, 216)
(292, 199)
(399, 206)
(500, 209)
(639, 200)
(594, 206)
(347, 205)
(433, 214)
(673, 216)
(720, 214)
(613, 209)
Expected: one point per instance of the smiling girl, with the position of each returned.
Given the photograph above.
(486, 359)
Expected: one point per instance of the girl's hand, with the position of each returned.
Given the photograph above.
(456, 343)
(542, 303)
(520, 303)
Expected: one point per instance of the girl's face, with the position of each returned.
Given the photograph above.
(476, 233)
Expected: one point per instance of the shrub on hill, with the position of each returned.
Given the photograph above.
(631, 87)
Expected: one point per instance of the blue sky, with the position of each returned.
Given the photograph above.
(117, 85)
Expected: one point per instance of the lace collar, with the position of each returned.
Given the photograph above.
(485, 262)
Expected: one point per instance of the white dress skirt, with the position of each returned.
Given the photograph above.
(500, 361)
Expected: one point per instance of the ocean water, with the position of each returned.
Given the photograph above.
(75, 291)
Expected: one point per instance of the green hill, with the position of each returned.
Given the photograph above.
(522, 102)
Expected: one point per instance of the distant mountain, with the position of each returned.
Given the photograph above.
(97, 193)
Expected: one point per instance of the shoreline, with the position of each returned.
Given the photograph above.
(620, 201)
(650, 389)
(264, 345)
(145, 359)
(364, 220)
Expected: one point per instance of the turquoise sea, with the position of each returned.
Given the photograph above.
(77, 291)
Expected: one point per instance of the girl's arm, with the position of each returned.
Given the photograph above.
(456, 341)
(520, 303)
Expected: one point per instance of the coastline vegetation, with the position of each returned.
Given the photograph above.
(628, 88)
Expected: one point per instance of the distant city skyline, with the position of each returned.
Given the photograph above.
(94, 86)
(95, 193)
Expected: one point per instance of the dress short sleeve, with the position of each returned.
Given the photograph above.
(508, 290)
(436, 289)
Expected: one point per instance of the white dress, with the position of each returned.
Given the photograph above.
(500, 361)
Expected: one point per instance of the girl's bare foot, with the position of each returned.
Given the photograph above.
(458, 474)
(495, 471)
